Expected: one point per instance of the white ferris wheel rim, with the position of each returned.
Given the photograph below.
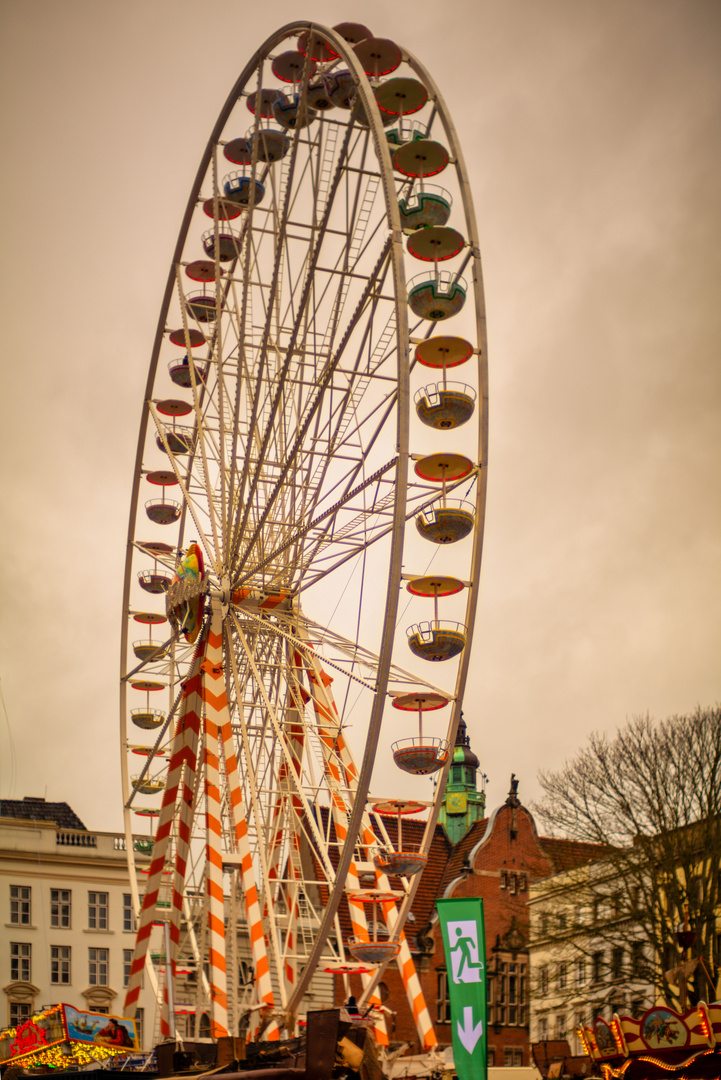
(385, 659)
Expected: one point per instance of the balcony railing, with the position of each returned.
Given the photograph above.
(76, 839)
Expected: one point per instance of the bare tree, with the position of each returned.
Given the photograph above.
(651, 796)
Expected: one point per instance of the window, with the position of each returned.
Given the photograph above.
(98, 967)
(542, 1029)
(617, 961)
(543, 979)
(127, 963)
(98, 910)
(543, 923)
(580, 971)
(60, 908)
(561, 920)
(670, 957)
(617, 1007)
(204, 1027)
(60, 964)
(637, 958)
(504, 879)
(562, 976)
(443, 1001)
(513, 881)
(560, 1026)
(20, 961)
(597, 967)
(501, 993)
(490, 1057)
(139, 1017)
(577, 1043)
(513, 1057)
(20, 905)
(245, 976)
(129, 922)
(514, 997)
(19, 1013)
(522, 882)
(510, 992)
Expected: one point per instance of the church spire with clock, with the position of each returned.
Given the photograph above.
(463, 804)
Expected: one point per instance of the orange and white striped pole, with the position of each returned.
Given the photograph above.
(263, 984)
(411, 982)
(216, 713)
(294, 729)
(407, 968)
(178, 792)
(341, 781)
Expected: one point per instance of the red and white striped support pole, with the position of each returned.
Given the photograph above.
(264, 987)
(216, 710)
(178, 792)
(334, 747)
(411, 982)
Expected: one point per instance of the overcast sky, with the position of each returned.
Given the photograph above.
(592, 132)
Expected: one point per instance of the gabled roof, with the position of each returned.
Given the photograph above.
(458, 860)
(32, 808)
(568, 854)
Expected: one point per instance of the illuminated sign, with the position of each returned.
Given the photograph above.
(64, 1037)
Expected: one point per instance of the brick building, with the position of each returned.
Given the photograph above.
(497, 859)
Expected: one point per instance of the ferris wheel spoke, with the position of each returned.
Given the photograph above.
(298, 444)
(355, 398)
(420, 499)
(282, 227)
(314, 255)
(275, 725)
(303, 531)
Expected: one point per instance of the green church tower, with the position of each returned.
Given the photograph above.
(462, 804)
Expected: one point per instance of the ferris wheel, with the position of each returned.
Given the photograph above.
(305, 533)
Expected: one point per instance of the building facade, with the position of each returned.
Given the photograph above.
(68, 928)
(587, 960)
(594, 956)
